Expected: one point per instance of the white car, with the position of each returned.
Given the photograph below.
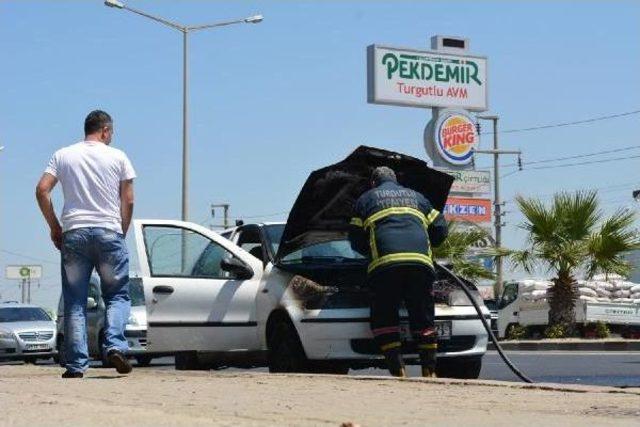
(300, 306)
(27, 332)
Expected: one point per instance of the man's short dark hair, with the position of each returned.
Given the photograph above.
(382, 174)
(96, 120)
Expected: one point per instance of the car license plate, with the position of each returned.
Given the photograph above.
(38, 347)
(443, 327)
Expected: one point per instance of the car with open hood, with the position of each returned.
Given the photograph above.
(292, 296)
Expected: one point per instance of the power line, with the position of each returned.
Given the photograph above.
(577, 122)
(263, 216)
(557, 159)
(29, 257)
(565, 165)
(603, 189)
(579, 156)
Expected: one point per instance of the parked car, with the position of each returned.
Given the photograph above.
(492, 304)
(517, 308)
(288, 296)
(135, 330)
(27, 332)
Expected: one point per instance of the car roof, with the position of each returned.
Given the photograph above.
(14, 304)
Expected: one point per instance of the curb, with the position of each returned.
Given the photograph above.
(569, 345)
(42, 371)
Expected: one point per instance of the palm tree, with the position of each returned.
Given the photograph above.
(569, 237)
(457, 247)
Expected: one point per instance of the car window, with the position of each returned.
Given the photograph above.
(509, 294)
(273, 234)
(22, 314)
(177, 252)
(249, 240)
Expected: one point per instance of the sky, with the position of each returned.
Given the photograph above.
(273, 101)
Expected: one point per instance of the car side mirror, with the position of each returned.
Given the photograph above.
(91, 303)
(237, 268)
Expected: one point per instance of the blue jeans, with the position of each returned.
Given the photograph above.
(84, 249)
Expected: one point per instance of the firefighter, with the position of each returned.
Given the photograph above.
(396, 227)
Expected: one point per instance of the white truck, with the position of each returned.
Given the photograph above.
(514, 308)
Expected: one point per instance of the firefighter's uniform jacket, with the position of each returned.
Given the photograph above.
(396, 225)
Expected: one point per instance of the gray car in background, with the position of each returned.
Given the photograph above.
(27, 332)
(135, 331)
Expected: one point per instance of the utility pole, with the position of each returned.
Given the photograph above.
(497, 203)
(225, 207)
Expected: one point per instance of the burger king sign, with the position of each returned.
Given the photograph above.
(452, 136)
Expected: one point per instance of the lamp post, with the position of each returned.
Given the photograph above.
(185, 30)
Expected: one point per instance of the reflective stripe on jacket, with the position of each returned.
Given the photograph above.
(396, 225)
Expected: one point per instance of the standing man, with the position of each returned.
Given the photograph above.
(396, 226)
(97, 183)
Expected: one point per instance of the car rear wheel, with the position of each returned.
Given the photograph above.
(188, 361)
(459, 367)
(144, 360)
(328, 367)
(285, 349)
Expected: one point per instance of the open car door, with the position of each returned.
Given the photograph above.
(200, 289)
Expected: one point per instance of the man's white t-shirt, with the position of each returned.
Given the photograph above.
(90, 173)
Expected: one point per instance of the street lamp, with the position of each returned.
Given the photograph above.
(185, 30)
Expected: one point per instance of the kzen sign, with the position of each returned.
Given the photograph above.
(416, 78)
(468, 209)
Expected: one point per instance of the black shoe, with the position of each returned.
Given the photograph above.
(70, 374)
(119, 361)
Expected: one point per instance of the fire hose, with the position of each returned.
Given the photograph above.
(486, 325)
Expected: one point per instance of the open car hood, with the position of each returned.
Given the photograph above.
(324, 207)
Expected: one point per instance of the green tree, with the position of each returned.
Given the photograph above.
(457, 247)
(569, 237)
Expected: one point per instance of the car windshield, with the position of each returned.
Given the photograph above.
(22, 314)
(136, 293)
(333, 251)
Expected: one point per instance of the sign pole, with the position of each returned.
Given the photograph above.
(23, 291)
(29, 291)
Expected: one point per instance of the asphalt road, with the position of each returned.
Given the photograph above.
(618, 369)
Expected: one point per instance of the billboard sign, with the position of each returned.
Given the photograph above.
(470, 181)
(23, 272)
(455, 137)
(468, 209)
(416, 78)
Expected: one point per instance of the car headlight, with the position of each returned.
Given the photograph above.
(458, 297)
(6, 334)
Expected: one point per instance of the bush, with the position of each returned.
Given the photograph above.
(556, 331)
(596, 330)
(517, 332)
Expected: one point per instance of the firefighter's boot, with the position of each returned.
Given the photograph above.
(428, 349)
(395, 364)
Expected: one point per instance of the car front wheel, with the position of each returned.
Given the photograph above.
(285, 349)
(459, 367)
